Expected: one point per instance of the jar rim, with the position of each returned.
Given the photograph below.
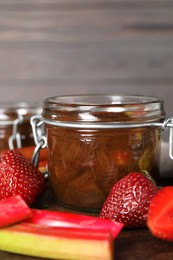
(20, 108)
(103, 108)
(100, 99)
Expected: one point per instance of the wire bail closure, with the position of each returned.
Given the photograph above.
(169, 123)
(40, 140)
(16, 136)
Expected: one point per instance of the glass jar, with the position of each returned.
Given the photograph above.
(95, 140)
(15, 127)
(26, 110)
(7, 119)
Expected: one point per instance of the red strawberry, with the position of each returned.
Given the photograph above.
(129, 199)
(28, 151)
(160, 214)
(18, 176)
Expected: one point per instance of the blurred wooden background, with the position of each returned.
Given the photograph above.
(54, 47)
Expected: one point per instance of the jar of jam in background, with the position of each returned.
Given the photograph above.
(7, 119)
(15, 127)
(95, 140)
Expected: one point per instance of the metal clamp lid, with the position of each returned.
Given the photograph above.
(169, 123)
(15, 137)
(41, 141)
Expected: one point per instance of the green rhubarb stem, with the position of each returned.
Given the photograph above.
(57, 243)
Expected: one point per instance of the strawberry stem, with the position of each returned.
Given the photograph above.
(144, 172)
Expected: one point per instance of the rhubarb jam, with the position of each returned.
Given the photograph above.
(95, 140)
(27, 110)
(15, 127)
(7, 117)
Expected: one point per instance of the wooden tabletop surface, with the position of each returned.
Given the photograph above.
(133, 244)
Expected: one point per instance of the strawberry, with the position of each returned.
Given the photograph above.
(27, 152)
(129, 199)
(160, 214)
(18, 176)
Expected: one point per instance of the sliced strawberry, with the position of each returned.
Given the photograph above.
(19, 176)
(160, 214)
(129, 199)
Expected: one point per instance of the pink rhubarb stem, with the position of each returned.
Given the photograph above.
(57, 243)
(12, 210)
(65, 219)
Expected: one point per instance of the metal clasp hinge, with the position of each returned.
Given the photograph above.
(39, 139)
(15, 138)
(168, 123)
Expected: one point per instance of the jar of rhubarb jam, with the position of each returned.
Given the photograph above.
(15, 127)
(95, 140)
(7, 119)
(26, 110)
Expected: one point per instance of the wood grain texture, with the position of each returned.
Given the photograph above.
(77, 46)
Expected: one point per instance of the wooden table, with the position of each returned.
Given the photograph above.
(129, 245)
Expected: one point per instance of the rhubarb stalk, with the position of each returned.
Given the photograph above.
(66, 219)
(55, 235)
(12, 210)
(57, 243)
